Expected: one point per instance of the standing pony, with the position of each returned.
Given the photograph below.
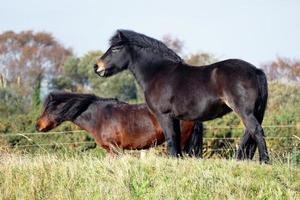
(113, 124)
(177, 91)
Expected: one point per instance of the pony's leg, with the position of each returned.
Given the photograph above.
(171, 127)
(247, 147)
(194, 145)
(241, 154)
(113, 154)
(109, 151)
(198, 140)
(259, 115)
(251, 148)
(256, 131)
(113, 151)
(249, 142)
(252, 125)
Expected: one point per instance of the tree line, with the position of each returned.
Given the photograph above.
(33, 62)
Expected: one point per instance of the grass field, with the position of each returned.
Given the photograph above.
(151, 177)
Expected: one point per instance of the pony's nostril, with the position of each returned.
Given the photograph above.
(37, 127)
(95, 67)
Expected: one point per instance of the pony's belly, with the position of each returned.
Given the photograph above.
(201, 112)
(143, 141)
(213, 113)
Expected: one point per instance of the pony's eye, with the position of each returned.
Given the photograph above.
(116, 49)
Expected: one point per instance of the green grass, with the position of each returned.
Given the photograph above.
(87, 176)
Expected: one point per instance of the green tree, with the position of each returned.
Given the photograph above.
(27, 55)
(11, 103)
(62, 83)
(27, 59)
(36, 93)
(70, 79)
(121, 86)
(78, 75)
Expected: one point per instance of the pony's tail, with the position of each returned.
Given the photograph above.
(194, 144)
(261, 103)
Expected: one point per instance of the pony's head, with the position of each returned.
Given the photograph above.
(116, 58)
(126, 47)
(45, 123)
(62, 106)
(49, 118)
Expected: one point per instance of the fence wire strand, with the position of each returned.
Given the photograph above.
(78, 131)
(92, 142)
(76, 143)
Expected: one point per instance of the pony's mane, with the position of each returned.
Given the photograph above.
(143, 41)
(73, 103)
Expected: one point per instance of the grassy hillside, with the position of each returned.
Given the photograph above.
(89, 177)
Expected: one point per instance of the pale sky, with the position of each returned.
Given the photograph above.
(253, 30)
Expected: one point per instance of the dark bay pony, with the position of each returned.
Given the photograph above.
(113, 124)
(177, 91)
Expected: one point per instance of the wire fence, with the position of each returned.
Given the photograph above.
(78, 131)
(91, 142)
(26, 134)
(49, 144)
(40, 133)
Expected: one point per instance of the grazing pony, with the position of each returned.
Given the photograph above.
(113, 124)
(177, 91)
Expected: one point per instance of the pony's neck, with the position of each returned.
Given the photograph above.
(85, 120)
(145, 70)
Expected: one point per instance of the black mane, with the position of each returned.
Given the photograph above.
(144, 41)
(72, 104)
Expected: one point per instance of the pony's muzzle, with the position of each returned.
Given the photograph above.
(100, 64)
(37, 127)
(99, 68)
(95, 67)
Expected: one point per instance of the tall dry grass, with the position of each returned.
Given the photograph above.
(151, 177)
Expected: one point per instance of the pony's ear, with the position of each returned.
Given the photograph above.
(121, 36)
(50, 97)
